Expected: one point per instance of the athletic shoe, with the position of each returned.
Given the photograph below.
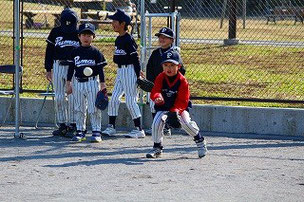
(109, 131)
(62, 130)
(71, 130)
(155, 153)
(96, 137)
(167, 131)
(136, 133)
(149, 131)
(79, 137)
(202, 148)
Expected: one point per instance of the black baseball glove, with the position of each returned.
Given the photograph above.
(173, 120)
(145, 84)
(102, 99)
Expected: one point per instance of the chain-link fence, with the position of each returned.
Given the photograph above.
(265, 62)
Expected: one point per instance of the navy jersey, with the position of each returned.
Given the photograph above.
(154, 67)
(59, 46)
(86, 57)
(126, 52)
(175, 93)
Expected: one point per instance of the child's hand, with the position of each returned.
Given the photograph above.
(159, 101)
(48, 76)
(142, 74)
(69, 89)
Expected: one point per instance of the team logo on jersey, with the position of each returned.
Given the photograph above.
(83, 62)
(119, 51)
(65, 43)
(169, 93)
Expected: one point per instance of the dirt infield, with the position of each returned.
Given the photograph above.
(237, 168)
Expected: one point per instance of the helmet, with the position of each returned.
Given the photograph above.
(68, 20)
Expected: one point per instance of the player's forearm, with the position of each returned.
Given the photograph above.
(49, 57)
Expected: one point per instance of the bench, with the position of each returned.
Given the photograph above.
(30, 14)
(282, 13)
(101, 17)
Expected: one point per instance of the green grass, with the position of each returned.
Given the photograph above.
(241, 71)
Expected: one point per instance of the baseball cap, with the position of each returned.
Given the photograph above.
(121, 16)
(68, 20)
(87, 27)
(171, 56)
(166, 31)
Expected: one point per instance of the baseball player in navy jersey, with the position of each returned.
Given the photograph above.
(171, 96)
(154, 67)
(60, 42)
(126, 58)
(88, 64)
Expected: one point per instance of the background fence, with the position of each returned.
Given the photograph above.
(265, 65)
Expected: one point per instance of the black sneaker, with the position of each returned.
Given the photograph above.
(62, 130)
(155, 153)
(71, 131)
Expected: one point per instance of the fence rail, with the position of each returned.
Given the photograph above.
(265, 64)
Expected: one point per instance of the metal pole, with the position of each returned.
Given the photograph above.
(17, 64)
(232, 19)
(142, 50)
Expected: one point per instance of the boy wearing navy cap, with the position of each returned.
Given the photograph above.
(60, 42)
(88, 64)
(171, 96)
(154, 67)
(126, 58)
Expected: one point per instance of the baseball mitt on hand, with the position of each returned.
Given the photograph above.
(145, 84)
(173, 120)
(102, 100)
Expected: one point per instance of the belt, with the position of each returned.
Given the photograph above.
(64, 62)
(124, 65)
(86, 79)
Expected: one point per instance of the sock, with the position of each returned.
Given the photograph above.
(157, 145)
(112, 120)
(198, 137)
(137, 123)
(153, 115)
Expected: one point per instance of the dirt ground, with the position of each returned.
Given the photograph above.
(238, 167)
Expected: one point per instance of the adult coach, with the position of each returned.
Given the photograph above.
(60, 42)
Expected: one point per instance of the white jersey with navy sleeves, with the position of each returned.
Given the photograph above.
(86, 87)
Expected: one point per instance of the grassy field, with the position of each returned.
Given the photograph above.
(243, 71)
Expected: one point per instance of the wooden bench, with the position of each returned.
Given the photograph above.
(282, 13)
(30, 14)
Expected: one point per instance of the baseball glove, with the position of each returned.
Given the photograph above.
(173, 120)
(102, 100)
(145, 84)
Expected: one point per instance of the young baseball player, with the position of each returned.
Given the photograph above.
(126, 58)
(171, 96)
(60, 42)
(88, 64)
(154, 67)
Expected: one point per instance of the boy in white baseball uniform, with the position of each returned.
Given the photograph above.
(88, 64)
(171, 96)
(126, 58)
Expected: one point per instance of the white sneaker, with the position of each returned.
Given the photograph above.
(202, 148)
(96, 137)
(109, 131)
(136, 133)
(167, 131)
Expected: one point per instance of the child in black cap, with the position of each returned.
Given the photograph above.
(154, 67)
(60, 43)
(171, 96)
(126, 58)
(88, 64)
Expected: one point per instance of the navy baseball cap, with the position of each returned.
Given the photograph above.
(120, 16)
(171, 56)
(87, 27)
(166, 31)
(68, 20)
